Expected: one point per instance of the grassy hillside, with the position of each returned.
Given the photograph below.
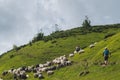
(94, 55)
(42, 51)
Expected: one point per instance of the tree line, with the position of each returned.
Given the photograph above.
(58, 33)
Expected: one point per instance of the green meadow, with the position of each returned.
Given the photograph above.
(41, 51)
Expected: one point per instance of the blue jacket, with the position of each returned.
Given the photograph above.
(106, 52)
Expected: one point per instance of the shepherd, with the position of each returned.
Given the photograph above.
(106, 54)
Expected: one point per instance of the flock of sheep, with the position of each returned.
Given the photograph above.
(48, 67)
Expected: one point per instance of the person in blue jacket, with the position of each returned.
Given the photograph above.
(106, 54)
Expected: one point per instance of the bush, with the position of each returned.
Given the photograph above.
(51, 46)
(54, 41)
(97, 29)
(30, 43)
(11, 56)
(47, 38)
(109, 35)
(15, 47)
(38, 37)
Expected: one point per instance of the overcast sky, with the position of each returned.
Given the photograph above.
(20, 20)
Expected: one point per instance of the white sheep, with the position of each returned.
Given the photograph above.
(38, 75)
(1, 79)
(41, 65)
(95, 43)
(81, 51)
(44, 69)
(75, 52)
(56, 61)
(68, 63)
(71, 55)
(50, 72)
(92, 45)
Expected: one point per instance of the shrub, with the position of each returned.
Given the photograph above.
(30, 43)
(38, 37)
(97, 29)
(47, 38)
(109, 35)
(51, 46)
(54, 41)
(11, 56)
(15, 47)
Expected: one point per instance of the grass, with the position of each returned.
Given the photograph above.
(41, 52)
(97, 72)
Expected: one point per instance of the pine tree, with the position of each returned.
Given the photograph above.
(86, 24)
(15, 47)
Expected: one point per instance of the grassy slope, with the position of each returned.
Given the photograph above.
(97, 72)
(41, 51)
